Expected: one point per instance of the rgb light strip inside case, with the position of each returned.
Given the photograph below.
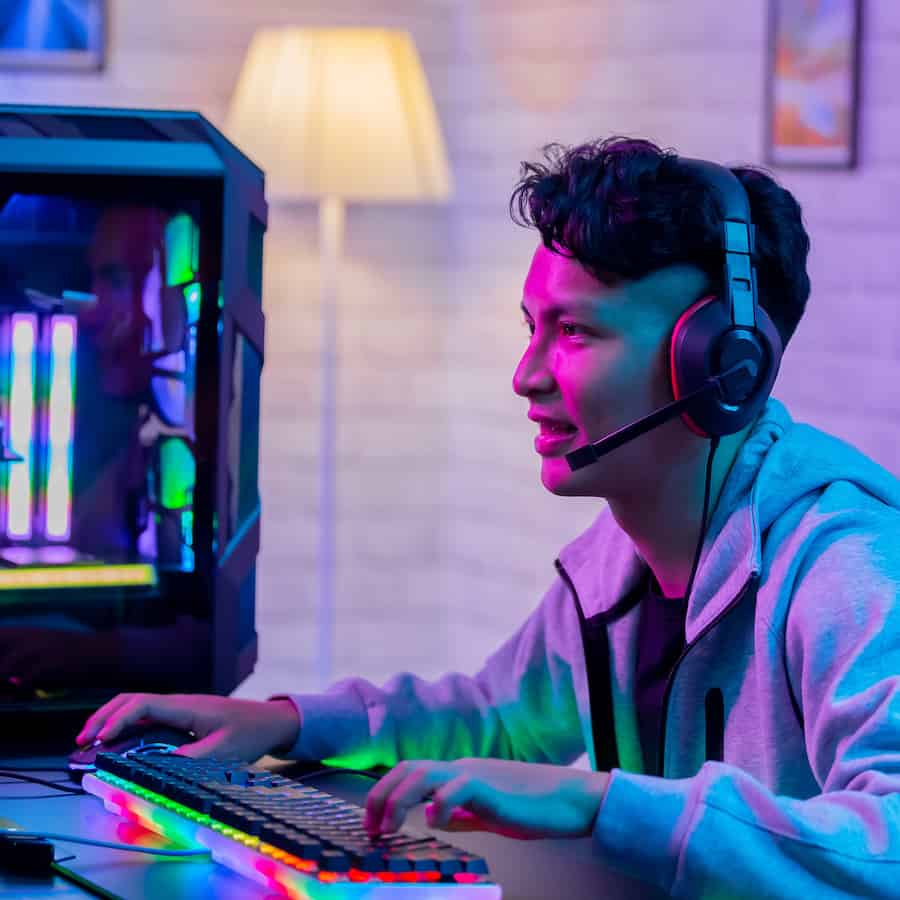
(60, 428)
(277, 870)
(22, 376)
(41, 410)
(37, 577)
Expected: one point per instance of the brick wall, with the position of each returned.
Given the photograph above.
(445, 536)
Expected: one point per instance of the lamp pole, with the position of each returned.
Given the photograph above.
(331, 232)
(291, 111)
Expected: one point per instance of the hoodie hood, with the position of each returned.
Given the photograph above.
(779, 463)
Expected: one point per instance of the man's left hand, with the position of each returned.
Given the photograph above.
(516, 799)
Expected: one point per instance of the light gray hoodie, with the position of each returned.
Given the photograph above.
(794, 616)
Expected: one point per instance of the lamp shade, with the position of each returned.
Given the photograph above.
(342, 112)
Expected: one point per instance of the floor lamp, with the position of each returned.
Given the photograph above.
(338, 116)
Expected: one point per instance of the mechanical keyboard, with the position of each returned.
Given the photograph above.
(290, 837)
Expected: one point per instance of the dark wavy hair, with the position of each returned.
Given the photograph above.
(624, 207)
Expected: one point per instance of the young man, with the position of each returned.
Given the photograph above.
(734, 679)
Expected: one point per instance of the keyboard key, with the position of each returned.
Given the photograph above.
(424, 860)
(212, 787)
(142, 776)
(251, 823)
(274, 833)
(229, 814)
(334, 861)
(474, 864)
(369, 861)
(301, 845)
(202, 801)
(448, 860)
(181, 793)
(401, 842)
(398, 864)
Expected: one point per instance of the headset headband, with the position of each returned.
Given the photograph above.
(737, 239)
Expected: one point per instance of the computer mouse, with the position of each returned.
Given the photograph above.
(137, 739)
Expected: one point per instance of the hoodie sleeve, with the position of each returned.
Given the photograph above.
(724, 834)
(520, 705)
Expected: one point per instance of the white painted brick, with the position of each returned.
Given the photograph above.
(277, 675)
(878, 134)
(854, 320)
(378, 651)
(881, 22)
(880, 67)
(867, 257)
(852, 201)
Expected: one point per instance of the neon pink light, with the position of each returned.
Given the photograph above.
(60, 427)
(21, 427)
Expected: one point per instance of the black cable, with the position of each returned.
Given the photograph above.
(713, 444)
(78, 839)
(21, 776)
(10, 780)
(33, 796)
(14, 777)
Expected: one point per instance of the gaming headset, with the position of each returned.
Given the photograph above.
(724, 351)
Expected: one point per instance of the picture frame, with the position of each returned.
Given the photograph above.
(813, 75)
(53, 34)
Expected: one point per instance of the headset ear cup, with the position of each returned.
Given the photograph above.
(683, 365)
(695, 348)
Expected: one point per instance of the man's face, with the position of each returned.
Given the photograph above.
(597, 360)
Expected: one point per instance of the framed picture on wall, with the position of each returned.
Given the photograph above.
(52, 34)
(813, 82)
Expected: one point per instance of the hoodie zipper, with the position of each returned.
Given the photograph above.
(671, 679)
(600, 702)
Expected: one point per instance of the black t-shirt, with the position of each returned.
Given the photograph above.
(660, 642)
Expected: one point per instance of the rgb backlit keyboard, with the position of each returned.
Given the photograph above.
(288, 836)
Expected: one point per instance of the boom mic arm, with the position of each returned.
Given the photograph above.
(590, 453)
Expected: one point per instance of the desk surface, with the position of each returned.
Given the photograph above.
(526, 870)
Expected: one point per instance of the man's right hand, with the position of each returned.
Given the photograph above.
(246, 729)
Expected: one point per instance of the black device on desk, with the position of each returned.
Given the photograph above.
(31, 856)
(290, 837)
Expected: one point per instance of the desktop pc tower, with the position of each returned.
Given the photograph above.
(131, 350)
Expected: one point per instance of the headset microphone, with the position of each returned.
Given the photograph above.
(727, 384)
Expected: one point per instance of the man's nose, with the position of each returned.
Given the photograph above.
(532, 376)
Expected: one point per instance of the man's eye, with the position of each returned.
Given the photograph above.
(570, 329)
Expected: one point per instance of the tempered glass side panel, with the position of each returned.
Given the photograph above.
(108, 304)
